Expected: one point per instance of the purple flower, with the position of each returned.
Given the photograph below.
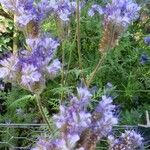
(41, 53)
(72, 139)
(43, 144)
(103, 117)
(75, 121)
(44, 41)
(74, 118)
(31, 66)
(58, 144)
(84, 96)
(105, 105)
(63, 9)
(135, 137)
(8, 68)
(60, 119)
(84, 93)
(119, 12)
(147, 40)
(77, 126)
(129, 140)
(43, 49)
(54, 68)
(9, 4)
(30, 75)
(44, 8)
(122, 12)
(24, 19)
(95, 9)
(27, 11)
(78, 119)
(68, 144)
(23, 9)
(144, 59)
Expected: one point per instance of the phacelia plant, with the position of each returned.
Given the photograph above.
(118, 15)
(28, 11)
(144, 59)
(129, 140)
(147, 40)
(81, 129)
(79, 126)
(29, 67)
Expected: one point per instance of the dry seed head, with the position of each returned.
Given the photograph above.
(111, 35)
(32, 29)
(87, 140)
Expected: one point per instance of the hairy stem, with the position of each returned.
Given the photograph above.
(93, 74)
(14, 37)
(41, 110)
(79, 40)
(62, 74)
(61, 35)
(70, 55)
(60, 29)
(104, 54)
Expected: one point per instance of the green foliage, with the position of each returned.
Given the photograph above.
(132, 117)
(6, 32)
(135, 116)
(19, 107)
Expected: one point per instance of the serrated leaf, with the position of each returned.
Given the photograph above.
(20, 101)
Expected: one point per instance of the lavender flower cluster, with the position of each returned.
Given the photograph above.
(30, 68)
(27, 10)
(120, 12)
(129, 140)
(80, 129)
(78, 126)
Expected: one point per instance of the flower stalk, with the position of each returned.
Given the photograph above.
(97, 68)
(118, 15)
(14, 37)
(41, 110)
(61, 35)
(79, 40)
(105, 46)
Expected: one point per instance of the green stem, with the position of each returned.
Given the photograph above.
(70, 56)
(101, 60)
(78, 35)
(39, 104)
(62, 74)
(61, 35)
(14, 37)
(96, 69)
(60, 28)
(79, 40)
